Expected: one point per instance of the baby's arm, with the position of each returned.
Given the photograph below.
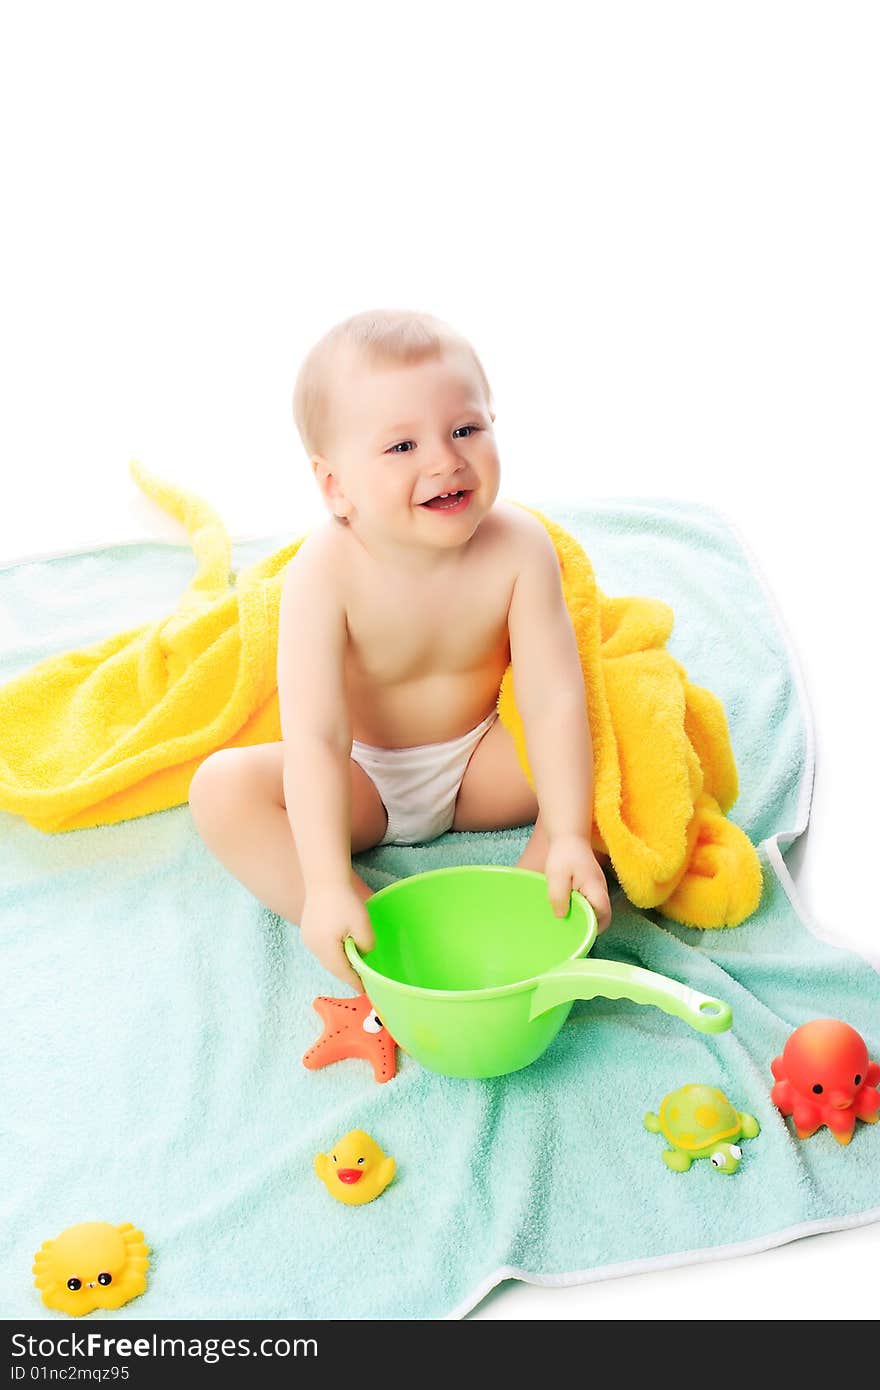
(316, 737)
(549, 687)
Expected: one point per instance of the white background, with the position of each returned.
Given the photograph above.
(658, 224)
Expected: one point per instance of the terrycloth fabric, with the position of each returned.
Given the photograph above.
(116, 729)
(664, 767)
(94, 736)
(155, 1017)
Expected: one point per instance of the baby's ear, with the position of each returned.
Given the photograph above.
(328, 485)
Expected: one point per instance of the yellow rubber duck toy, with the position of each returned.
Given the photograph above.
(355, 1170)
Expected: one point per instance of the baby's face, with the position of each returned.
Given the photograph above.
(402, 435)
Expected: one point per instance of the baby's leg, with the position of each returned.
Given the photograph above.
(534, 856)
(237, 801)
(495, 794)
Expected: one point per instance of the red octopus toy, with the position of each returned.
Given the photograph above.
(824, 1077)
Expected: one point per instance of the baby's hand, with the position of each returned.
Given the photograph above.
(571, 863)
(330, 914)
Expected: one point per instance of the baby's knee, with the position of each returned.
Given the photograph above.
(216, 789)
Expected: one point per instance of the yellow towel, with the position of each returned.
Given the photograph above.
(664, 769)
(117, 729)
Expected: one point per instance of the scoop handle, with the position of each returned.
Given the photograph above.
(584, 979)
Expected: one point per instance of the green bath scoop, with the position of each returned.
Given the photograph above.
(474, 975)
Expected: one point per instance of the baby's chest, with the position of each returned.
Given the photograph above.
(395, 637)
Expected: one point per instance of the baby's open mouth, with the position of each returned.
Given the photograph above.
(444, 500)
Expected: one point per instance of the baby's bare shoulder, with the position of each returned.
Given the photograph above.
(519, 533)
(320, 551)
(317, 568)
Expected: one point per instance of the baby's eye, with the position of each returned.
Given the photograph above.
(74, 1284)
(406, 446)
(105, 1279)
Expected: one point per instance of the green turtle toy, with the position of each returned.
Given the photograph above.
(700, 1122)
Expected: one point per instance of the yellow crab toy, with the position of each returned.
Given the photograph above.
(92, 1265)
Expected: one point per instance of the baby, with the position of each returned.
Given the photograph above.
(398, 619)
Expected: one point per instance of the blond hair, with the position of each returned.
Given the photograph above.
(381, 336)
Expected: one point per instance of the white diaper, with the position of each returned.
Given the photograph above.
(419, 785)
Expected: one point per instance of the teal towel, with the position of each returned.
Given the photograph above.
(155, 1017)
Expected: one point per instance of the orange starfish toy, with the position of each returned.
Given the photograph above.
(352, 1028)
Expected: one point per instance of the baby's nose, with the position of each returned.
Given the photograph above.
(446, 456)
